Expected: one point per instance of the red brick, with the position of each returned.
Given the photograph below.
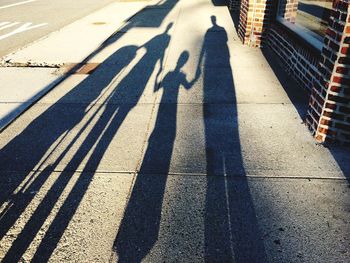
(319, 138)
(325, 122)
(347, 30)
(345, 50)
(341, 80)
(331, 106)
(336, 89)
(333, 115)
(342, 70)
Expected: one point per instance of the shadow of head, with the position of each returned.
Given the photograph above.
(213, 20)
(182, 59)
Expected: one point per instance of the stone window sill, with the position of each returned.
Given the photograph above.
(310, 38)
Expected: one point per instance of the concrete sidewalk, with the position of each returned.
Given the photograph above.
(174, 143)
(30, 72)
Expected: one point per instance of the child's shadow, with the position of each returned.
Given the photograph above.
(173, 80)
(161, 141)
(140, 225)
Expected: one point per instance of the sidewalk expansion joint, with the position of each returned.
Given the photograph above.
(186, 174)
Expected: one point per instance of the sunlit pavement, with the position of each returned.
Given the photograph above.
(25, 21)
(174, 143)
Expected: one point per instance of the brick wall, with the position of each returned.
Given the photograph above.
(329, 109)
(288, 10)
(326, 74)
(299, 60)
(254, 18)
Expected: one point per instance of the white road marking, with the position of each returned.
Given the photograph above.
(22, 28)
(16, 4)
(7, 25)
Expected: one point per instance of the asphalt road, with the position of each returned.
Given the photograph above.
(24, 21)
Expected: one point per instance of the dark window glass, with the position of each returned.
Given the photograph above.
(307, 15)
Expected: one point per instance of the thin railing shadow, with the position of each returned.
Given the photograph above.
(113, 115)
(140, 225)
(231, 227)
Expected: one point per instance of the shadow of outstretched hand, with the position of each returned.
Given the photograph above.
(140, 226)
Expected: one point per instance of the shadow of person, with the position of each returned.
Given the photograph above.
(140, 225)
(151, 16)
(163, 8)
(120, 102)
(231, 229)
(31, 149)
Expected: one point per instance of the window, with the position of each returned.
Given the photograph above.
(308, 18)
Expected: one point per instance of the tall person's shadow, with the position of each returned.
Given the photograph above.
(231, 229)
(121, 101)
(139, 229)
